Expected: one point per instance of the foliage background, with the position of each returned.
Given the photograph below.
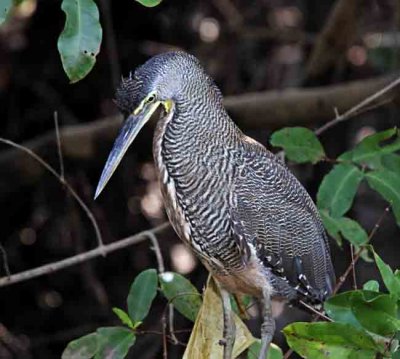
(261, 45)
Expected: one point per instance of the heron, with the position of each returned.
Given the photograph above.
(234, 203)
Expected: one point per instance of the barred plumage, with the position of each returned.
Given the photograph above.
(241, 210)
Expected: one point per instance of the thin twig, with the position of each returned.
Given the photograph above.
(156, 249)
(79, 258)
(355, 109)
(161, 269)
(353, 267)
(357, 256)
(342, 279)
(5, 261)
(316, 312)
(60, 156)
(67, 186)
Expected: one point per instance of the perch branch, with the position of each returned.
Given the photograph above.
(82, 257)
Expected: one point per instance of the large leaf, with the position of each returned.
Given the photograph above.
(338, 188)
(79, 42)
(391, 162)
(208, 329)
(330, 340)
(376, 312)
(82, 348)
(300, 144)
(274, 352)
(5, 8)
(114, 342)
(371, 150)
(387, 183)
(141, 294)
(181, 293)
(391, 280)
(338, 308)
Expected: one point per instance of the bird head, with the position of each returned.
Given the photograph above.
(161, 81)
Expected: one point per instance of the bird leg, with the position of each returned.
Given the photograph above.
(229, 332)
(268, 325)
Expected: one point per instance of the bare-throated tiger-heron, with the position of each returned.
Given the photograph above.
(242, 212)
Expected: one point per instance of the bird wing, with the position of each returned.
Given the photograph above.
(276, 215)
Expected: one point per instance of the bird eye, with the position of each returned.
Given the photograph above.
(151, 98)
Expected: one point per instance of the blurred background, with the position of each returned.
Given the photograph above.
(269, 47)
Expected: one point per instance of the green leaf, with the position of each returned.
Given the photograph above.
(346, 227)
(331, 225)
(338, 188)
(141, 294)
(114, 342)
(300, 144)
(338, 308)
(370, 150)
(149, 3)
(376, 312)
(79, 42)
(386, 183)
(274, 352)
(330, 340)
(181, 293)
(5, 8)
(392, 281)
(353, 232)
(391, 162)
(124, 317)
(371, 285)
(81, 348)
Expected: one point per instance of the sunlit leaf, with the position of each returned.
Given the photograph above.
(300, 144)
(338, 188)
(181, 293)
(114, 342)
(274, 352)
(149, 3)
(124, 317)
(330, 340)
(81, 348)
(371, 149)
(208, 329)
(79, 42)
(391, 280)
(141, 294)
(5, 8)
(371, 285)
(387, 184)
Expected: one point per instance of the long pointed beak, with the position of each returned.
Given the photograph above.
(133, 124)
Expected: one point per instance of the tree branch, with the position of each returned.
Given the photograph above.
(82, 257)
(272, 109)
(335, 38)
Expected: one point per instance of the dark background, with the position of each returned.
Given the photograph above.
(247, 46)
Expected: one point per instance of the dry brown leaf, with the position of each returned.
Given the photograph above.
(208, 329)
